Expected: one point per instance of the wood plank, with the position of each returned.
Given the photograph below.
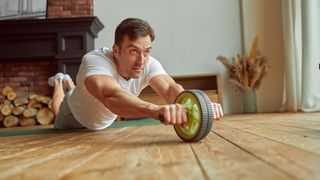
(26, 127)
(308, 133)
(30, 151)
(223, 160)
(241, 147)
(302, 120)
(31, 145)
(154, 153)
(274, 117)
(130, 152)
(309, 144)
(24, 140)
(294, 124)
(301, 131)
(285, 157)
(21, 140)
(298, 123)
(64, 146)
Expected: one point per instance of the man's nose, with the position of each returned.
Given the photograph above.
(140, 58)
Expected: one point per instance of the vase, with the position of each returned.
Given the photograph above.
(249, 101)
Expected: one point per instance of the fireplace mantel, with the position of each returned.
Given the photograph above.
(61, 42)
(59, 39)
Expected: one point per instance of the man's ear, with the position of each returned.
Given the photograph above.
(115, 50)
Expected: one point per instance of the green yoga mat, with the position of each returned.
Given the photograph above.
(141, 122)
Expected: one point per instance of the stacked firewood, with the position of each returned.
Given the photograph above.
(24, 109)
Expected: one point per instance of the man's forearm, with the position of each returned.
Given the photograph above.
(123, 103)
(173, 91)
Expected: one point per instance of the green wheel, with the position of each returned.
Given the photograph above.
(200, 115)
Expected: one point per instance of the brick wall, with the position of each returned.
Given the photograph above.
(27, 77)
(69, 8)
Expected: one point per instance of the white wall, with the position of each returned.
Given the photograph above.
(189, 34)
(264, 17)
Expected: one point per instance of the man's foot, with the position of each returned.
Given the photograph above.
(66, 78)
(58, 76)
(67, 82)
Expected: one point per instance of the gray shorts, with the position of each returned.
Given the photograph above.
(65, 119)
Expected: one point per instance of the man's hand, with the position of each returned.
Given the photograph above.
(172, 114)
(217, 110)
(175, 113)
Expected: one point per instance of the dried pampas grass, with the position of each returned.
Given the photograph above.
(247, 72)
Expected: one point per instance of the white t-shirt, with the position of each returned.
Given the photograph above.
(89, 111)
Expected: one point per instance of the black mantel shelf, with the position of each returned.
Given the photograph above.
(57, 39)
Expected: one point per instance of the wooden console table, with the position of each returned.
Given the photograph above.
(209, 83)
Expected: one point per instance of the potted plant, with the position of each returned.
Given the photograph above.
(246, 73)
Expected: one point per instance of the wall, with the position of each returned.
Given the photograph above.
(189, 35)
(69, 8)
(264, 17)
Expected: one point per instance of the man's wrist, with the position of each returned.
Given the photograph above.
(152, 110)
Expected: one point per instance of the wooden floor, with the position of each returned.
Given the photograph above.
(264, 146)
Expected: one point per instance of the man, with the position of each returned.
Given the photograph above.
(109, 81)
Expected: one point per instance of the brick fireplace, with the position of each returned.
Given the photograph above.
(33, 50)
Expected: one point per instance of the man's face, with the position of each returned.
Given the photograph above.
(132, 56)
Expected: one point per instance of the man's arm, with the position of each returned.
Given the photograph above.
(166, 87)
(123, 103)
(116, 99)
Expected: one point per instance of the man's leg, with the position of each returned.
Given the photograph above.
(64, 118)
(58, 95)
(60, 81)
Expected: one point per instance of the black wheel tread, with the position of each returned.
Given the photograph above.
(207, 115)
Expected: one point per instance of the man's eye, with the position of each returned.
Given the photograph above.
(133, 51)
(146, 53)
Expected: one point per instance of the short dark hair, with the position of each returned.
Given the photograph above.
(134, 28)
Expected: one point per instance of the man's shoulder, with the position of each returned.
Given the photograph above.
(97, 62)
(103, 51)
(103, 55)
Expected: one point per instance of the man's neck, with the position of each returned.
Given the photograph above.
(118, 68)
